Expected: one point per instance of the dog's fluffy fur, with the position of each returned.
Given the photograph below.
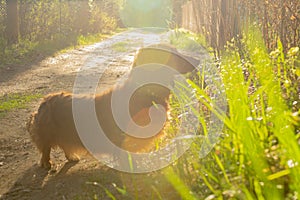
(53, 124)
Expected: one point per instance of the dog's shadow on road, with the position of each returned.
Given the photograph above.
(66, 183)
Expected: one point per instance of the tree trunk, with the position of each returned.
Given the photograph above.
(223, 20)
(177, 12)
(283, 26)
(12, 23)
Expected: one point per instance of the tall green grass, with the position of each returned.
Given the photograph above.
(258, 156)
(186, 40)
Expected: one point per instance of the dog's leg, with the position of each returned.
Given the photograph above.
(45, 160)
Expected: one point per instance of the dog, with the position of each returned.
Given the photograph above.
(53, 124)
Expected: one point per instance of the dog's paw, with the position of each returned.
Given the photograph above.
(73, 158)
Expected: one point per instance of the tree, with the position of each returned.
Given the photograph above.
(12, 21)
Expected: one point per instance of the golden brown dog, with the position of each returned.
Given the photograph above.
(53, 124)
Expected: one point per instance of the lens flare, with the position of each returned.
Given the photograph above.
(145, 13)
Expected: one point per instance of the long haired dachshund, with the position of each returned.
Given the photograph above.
(53, 124)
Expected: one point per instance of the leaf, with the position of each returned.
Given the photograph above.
(279, 174)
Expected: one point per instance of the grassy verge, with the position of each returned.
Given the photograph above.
(185, 40)
(120, 46)
(16, 101)
(258, 156)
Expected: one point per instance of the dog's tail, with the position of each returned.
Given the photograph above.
(30, 122)
(43, 112)
(33, 118)
(33, 125)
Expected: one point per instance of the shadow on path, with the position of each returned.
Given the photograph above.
(37, 183)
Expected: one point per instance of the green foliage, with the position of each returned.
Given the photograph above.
(90, 39)
(45, 19)
(16, 53)
(16, 101)
(258, 156)
(120, 46)
(26, 51)
(185, 40)
(101, 21)
(288, 73)
(178, 184)
(47, 26)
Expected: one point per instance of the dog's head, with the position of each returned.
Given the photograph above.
(165, 54)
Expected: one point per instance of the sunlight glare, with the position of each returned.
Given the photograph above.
(145, 13)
